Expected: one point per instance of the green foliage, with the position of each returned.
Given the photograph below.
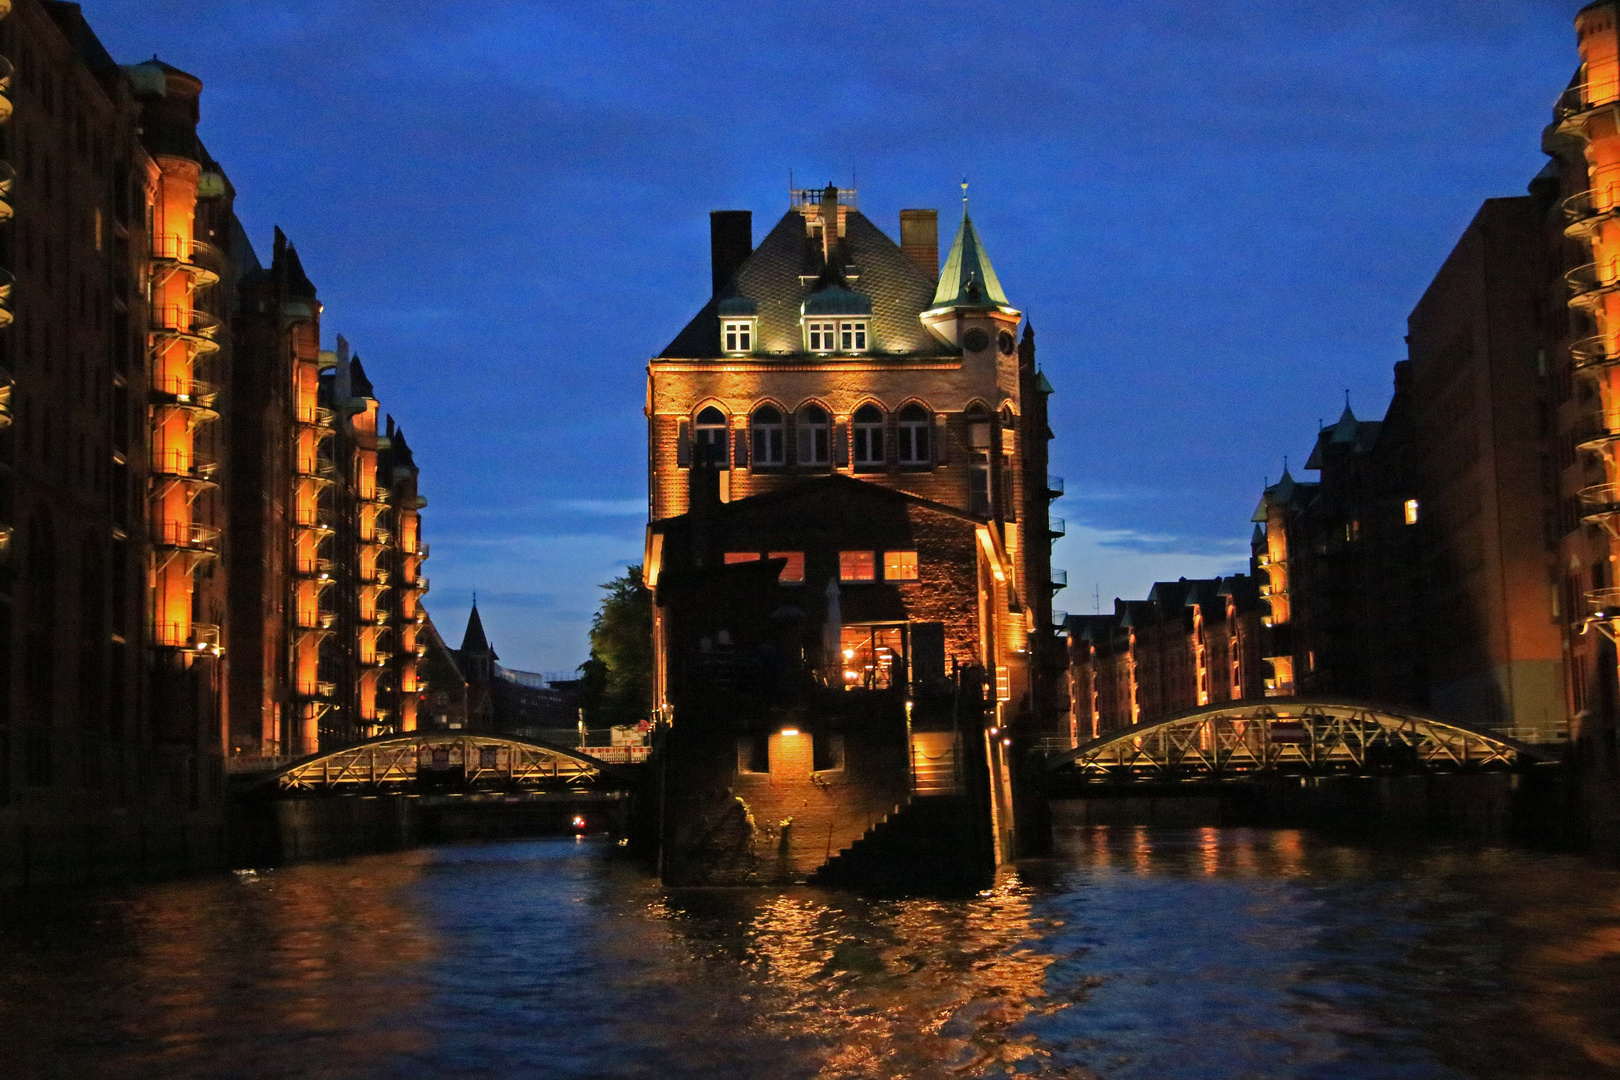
(617, 679)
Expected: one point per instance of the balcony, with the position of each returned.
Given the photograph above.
(310, 521)
(316, 469)
(193, 637)
(8, 181)
(199, 260)
(317, 690)
(6, 72)
(1054, 487)
(1056, 527)
(175, 322)
(1586, 210)
(1595, 436)
(7, 284)
(1603, 605)
(1590, 282)
(193, 395)
(419, 585)
(315, 416)
(173, 463)
(1577, 102)
(5, 400)
(1599, 501)
(185, 536)
(1593, 353)
(1060, 580)
(313, 568)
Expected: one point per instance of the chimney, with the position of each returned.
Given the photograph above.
(731, 241)
(919, 239)
(829, 223)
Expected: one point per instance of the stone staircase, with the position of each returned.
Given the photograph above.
(928, 845)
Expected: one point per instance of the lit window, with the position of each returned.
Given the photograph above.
(793, 572)
(738, 336)
(814, 426)
(769, 447)
(857, 566)
(852, 337)
(899, 566)
(868, 435)
(741, 557)
(821, 336)
(874, 657)
(914, 427)
(711, 438)
(1411, 511)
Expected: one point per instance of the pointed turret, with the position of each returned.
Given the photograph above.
(473, 639)
(969, 291)
(359, 385)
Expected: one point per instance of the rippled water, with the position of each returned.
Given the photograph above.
(1134, 953)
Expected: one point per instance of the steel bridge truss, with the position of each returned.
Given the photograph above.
(1293, 737)
(400, 761)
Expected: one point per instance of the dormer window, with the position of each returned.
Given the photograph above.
(852, 336)
(821, 336)
(737, 336)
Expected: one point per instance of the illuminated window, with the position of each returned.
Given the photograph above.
(1411, 511)
(738, 336)
(899, 566)
(857, 566)
(769, 448)
(852, 337)
(793, 572)
(874, 657)
(914, 428)
(711, 438)
(741, 557)
(821, 336)
(814, 426)
(868, 427)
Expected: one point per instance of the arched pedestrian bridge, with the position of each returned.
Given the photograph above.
(1291, 736)
(439, 759)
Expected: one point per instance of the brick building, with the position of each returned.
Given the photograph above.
(163, 422)
(823, 654)
(1190, 643)
(830, 349)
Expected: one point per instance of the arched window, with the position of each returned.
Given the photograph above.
(914, 425)
(769, 446)
(868, 435)
(814, 426)
(711, 438)
(1008, 422)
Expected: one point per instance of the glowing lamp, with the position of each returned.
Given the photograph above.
(790, 731)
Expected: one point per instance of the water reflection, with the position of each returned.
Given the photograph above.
(1133, 953)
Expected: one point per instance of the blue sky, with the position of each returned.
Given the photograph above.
(1218, 215)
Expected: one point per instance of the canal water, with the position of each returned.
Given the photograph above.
(1153, 954)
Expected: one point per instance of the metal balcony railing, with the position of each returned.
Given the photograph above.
(1603, 604)
(192, 394)
(202, 261)
(1054, 486)
(1060, 580)
(1594, 435)
(1056, 526)
(1590, 353)
(178, 464)
(315, 568)
(316, 469)
(1584, 209)
(1590, 281)
(196, 636)
(317, 689)
(181, 321)
(6, 72)
(8, 181)
(1600, 499)
(7, 284)
(1584, 97)
(315, 416)
(188, 535)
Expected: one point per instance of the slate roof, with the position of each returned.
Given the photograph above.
(968, 279)
(787, 269)
(1358, 435)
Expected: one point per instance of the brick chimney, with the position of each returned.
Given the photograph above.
(919, 239)
(731, 241)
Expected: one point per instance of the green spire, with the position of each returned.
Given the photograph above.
(968, 279)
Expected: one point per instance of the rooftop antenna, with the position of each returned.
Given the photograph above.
(964, 196)
(1096, 598)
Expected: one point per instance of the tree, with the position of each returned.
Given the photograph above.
(617, 679)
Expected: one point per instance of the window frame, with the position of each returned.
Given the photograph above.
(821, 335)
(864, 434)
(733, 328)
(850, 560)
(914, 575)
(914, 435)
(853, 335)
(805, 434)
(760, 438)
(719, 452)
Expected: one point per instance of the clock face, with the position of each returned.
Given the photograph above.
(975, 340)
(1005, 341)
